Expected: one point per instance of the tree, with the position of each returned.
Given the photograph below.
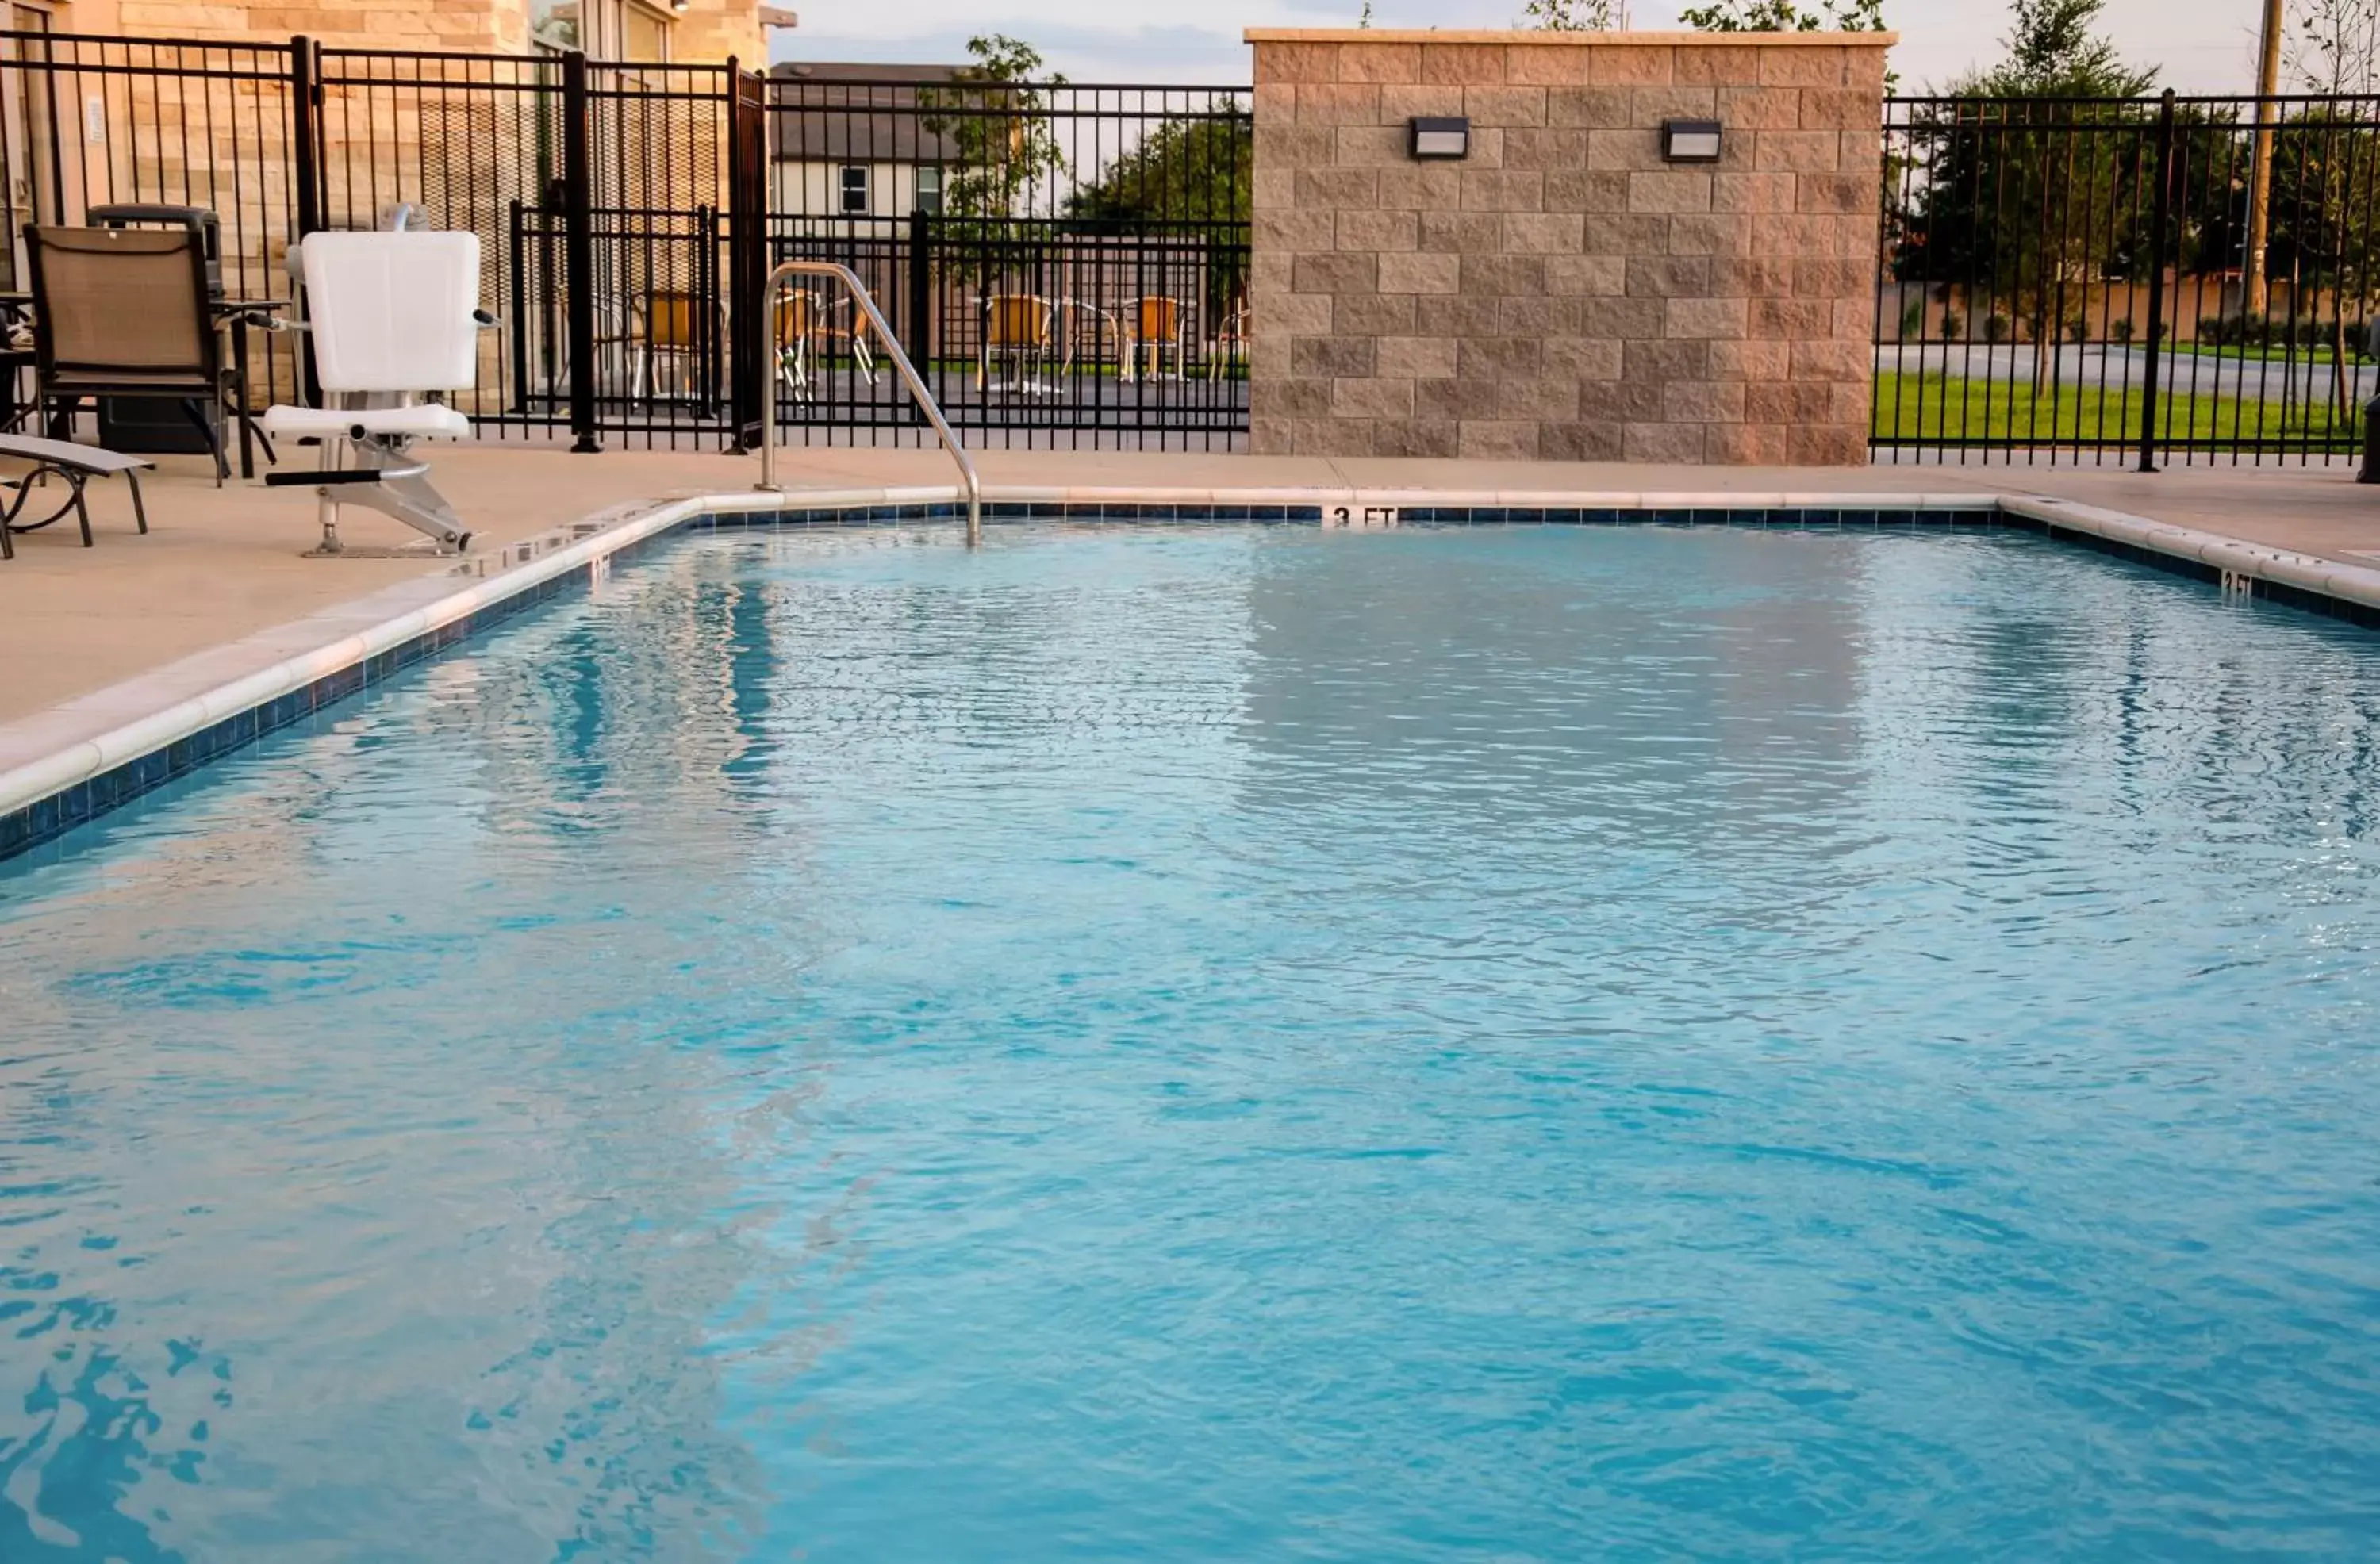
(999, 120)
(1191, 169)
(2334, 47)
(1189, 179)
(2053, 52)
(2026, 198)
(2319, 229)
(1574, 16)
(1785, 15)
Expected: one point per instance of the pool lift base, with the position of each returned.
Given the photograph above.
(388, 480)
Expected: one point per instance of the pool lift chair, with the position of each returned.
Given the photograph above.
(394, 319)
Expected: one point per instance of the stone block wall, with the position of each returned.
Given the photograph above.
(1564, 294)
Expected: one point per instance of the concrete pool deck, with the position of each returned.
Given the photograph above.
(222, 565)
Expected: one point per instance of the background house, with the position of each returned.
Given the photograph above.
(855, 140)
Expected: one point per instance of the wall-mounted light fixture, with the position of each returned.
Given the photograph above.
(1690, 140)
(1435, 138)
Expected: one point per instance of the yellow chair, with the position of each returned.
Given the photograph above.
(1016, 331)
(675, 328)
(797, 314)
(1229, 348)
(843, 320)
(1157, 323)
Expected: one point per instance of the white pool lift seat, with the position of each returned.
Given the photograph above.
(396, 319)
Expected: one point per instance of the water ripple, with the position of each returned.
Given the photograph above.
(1229, 1043)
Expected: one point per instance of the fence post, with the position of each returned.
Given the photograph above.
(305, 133)
(2160, 243)
(921, 302)
(579, 246)
(516, 268)
(748, 253)
(305, 164)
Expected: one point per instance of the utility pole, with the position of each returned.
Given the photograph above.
(2260, 187)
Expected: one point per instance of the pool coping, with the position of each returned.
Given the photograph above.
(85, 757)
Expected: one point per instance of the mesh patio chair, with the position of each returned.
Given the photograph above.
(842, 321)
(1153, 325)
(798, 327)
(689, 330)
(616, 348)
(125, 312)
(1018, 331)
(1080, 319)
(1229, 348)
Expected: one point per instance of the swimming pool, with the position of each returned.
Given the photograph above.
(1229, 1042)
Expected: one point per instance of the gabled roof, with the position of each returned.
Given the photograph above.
(842, 112)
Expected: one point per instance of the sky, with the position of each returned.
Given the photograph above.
(2199, 46)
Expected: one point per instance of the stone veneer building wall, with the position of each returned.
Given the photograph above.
(1564, 292)
(707, 31)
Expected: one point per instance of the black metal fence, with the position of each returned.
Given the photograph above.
(1068, 264)
(2059, 280)
(2164, 279)
(91, 122)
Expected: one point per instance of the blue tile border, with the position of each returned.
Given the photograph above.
(45, 819)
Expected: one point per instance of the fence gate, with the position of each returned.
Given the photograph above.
(2143, 280)
(469, 143)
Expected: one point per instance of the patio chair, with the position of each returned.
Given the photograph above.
(1154, 324)
(394, 319)
(842, 320)
(78, 464)
(125, 312)
(615, 348)
(797, 324)
(1016, 332)
(1076, 314)
(689, 330)
(1229, 348)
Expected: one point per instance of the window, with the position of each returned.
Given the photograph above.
(851, 188)
(554, 24)
(646, 36)
(930, 189)
(607, 29)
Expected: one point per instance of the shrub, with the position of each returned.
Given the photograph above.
(1996, 327)
(1954, 326)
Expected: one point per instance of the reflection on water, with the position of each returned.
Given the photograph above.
(1227, 1043)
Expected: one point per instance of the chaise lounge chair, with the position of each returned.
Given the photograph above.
(78, 464)
(396, 319)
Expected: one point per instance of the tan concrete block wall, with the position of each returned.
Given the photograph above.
(1564, 294)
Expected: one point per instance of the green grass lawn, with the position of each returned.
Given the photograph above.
(2275, 353)
(1923, 409)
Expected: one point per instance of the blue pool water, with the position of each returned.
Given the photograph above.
(1230, 1044)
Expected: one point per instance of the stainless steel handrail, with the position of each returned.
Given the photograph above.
(909, 376)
